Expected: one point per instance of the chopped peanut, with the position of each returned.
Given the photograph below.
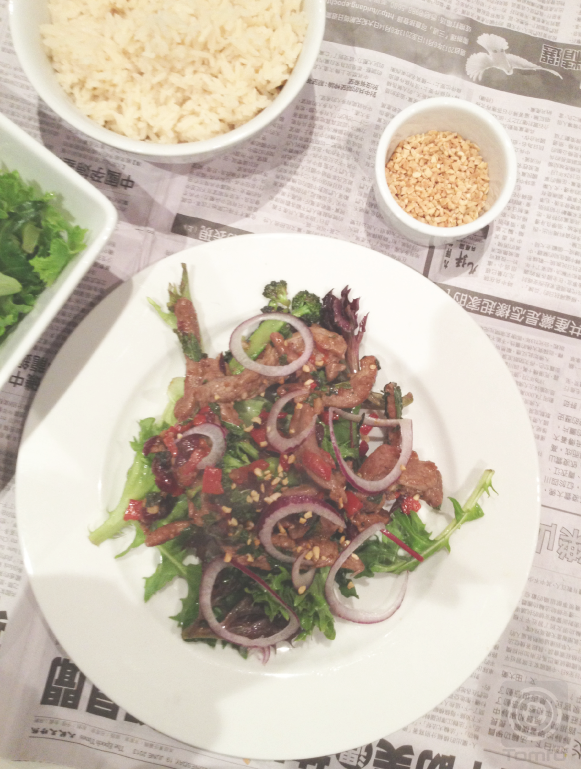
(439, 178)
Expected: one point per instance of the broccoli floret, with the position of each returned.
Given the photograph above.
(307, 306)
(304, 305)
(277, 294)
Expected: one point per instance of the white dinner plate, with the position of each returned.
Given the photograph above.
(321, 697)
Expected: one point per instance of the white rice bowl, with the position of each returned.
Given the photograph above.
(186, 73)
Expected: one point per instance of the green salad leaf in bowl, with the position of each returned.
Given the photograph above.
(36, 243)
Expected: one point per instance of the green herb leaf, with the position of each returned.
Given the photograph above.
(9, 285)
(36, 243)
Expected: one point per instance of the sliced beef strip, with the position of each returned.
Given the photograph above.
(329, 341)
(333, 367)
(227, 389)
(419, 477)
(197, 372)
(229, 414)
(325, 341)
(361, 385)
(325, 553)
(332, 345)
(335, 486)
(206, 383)
(165, 533)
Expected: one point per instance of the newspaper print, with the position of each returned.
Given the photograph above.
(311, 172)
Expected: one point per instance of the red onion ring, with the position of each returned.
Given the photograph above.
(374, 487)
(276, 440)
(262, 651)
(239, 353)
(206, 586)
(300, 503)
(216, 435)
(360, 615)
(306, 577)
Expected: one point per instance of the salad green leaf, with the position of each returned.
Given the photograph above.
(140, 481)
(311, 607)
(382, 555)
(347, 439)
(172, 565)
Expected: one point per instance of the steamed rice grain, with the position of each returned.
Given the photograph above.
(173, 72)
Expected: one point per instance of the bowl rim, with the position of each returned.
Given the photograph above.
(67, 110)
(459, 105)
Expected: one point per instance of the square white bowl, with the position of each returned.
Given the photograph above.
(75, 196)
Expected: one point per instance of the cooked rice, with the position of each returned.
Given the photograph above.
(177, 71)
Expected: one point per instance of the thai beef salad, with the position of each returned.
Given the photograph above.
(262, 466)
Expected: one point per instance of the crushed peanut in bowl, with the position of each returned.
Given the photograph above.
(439, 178)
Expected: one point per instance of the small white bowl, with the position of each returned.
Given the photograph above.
(473, 124)
(75, 196)
(26, 16)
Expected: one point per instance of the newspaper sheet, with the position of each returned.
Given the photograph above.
(520, 279)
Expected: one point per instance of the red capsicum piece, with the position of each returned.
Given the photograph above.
(259, 434)
(170, 443)
(354, 504)
(366, 429)
(186, 473)
(317, 464)
(205, 416)
(135, 510)
(212, 481)
(408, 504)
(169, 437)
